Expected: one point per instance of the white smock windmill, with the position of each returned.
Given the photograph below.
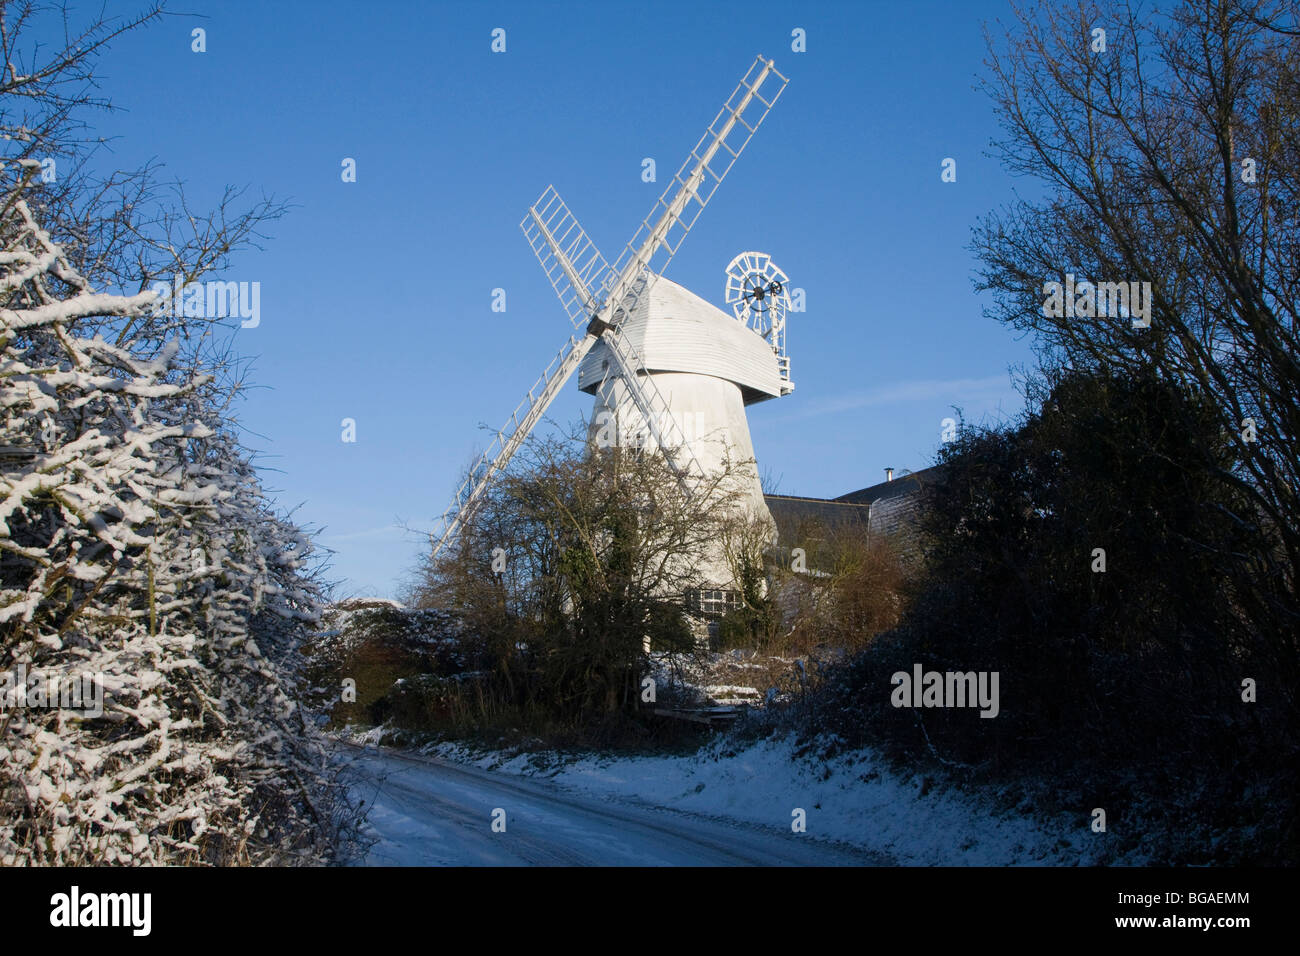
(656, 356)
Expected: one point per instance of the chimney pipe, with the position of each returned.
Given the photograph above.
(889, 474)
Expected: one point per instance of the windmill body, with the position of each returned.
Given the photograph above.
(669, 370)
(708, 367)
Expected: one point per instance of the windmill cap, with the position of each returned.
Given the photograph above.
(674, 330)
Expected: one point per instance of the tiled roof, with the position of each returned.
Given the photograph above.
(790, 511)
(888, 509)
(908, 484)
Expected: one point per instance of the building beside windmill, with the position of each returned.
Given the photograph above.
(889, 509)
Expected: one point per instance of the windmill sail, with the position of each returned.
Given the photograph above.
(660, 234)
(576, 269)
(507, 441)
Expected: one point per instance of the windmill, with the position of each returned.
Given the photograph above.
(620, 311)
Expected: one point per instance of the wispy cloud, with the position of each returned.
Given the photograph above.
(956, 391)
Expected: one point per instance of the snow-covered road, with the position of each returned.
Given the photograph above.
(430, 812)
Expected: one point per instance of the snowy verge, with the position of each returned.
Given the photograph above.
(853, 797)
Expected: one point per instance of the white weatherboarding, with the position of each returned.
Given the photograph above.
(670, 370)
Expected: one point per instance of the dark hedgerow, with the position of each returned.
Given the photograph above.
(1119, 685)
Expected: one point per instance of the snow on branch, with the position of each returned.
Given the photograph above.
(140, 561)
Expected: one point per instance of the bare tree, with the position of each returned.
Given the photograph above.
(576, 559)
(123, 230)
(1168, 146)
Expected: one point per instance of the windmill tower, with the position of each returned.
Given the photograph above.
(669, 371)
(708, 367)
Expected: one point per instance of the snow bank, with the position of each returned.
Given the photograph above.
(853, 798)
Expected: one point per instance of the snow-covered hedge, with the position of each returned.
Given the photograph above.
(137, 549)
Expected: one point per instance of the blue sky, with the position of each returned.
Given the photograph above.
(376, 295)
